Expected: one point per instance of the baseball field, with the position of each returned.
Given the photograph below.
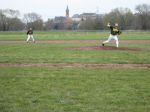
(68, 71)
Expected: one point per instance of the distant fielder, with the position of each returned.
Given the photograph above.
(30, 35)
(114, 32)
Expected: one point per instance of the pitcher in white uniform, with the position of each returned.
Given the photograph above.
(114, 32)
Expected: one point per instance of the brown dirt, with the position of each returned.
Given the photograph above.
(105, 48)
(76, 41)
(74, 65)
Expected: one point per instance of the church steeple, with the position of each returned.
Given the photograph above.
(67, 12)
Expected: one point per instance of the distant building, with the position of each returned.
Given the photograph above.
(88, 15)
(76, 18)
(72, 22)
(59, 18)
(62, 18)
(67, 12)
(84, 16)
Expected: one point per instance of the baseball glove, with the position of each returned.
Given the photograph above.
(119, 32)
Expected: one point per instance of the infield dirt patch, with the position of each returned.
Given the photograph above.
(74, 41)
(104, 48)
(74, 65)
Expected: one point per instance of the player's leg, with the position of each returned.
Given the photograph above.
(117, 42)
(32, 38)
(108, 40)
(28, 38)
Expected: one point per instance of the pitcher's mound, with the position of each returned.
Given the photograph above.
(104, 48)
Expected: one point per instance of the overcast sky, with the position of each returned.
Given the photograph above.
(51, 8)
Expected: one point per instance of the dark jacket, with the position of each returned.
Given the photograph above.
(114, 30)
(29, 32)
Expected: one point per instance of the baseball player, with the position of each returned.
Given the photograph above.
(30, 35)
(114, 32)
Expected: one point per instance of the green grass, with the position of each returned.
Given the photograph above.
(72, 35)
(74, 90)
(59, 53)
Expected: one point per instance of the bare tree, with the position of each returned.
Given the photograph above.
(9, 20)
(49, 24)
(16, 24)
(88, 24)
(2, 21)
(123, 16)
(143, 16)
(33, 20)
(11, 13)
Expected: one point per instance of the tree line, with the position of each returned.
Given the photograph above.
(140, 20)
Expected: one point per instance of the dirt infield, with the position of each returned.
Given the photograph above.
(76, 41)
(104, 48)
(74, 65)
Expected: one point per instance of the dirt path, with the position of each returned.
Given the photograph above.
(76, 41)
(74, 65)
(104, 48)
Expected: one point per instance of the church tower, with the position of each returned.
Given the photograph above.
(67, 12)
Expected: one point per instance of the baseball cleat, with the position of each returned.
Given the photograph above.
(102, 44)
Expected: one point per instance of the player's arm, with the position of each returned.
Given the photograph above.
(119, 32)
(108, 25)
(27, 32)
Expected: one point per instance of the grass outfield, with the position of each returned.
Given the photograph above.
(65, 35)
(74, 90)
(35, 89)
(59, 53)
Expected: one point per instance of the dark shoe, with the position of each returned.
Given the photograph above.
(102, 44)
